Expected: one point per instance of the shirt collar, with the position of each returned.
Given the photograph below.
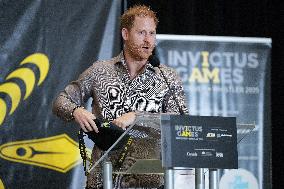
(121, 59)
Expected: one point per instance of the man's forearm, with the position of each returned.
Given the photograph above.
(63, 107)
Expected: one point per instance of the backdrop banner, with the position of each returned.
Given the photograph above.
(44, 45)
(229, 77)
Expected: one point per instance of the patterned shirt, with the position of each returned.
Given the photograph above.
(114, 93)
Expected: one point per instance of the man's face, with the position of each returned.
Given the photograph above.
(140, 39)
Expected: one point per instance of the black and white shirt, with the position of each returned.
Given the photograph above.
(114, 93)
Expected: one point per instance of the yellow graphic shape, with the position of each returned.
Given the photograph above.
(186, 134)
(1, 185)
(3, 110)
(14, 91)
(42, 62)
(27, 75)
(59, 153)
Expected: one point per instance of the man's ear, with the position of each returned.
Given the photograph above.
(124, 33)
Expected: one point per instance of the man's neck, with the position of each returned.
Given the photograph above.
(134, 66)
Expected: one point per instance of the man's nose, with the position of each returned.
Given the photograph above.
(147, 37)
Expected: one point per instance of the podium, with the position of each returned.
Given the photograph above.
(200, 142)
(188, 142)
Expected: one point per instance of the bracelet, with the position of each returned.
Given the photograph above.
(76, 107)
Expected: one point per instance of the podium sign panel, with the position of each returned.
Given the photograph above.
(199, 141)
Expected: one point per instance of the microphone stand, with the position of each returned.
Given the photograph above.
(155, 62)
(173, 95)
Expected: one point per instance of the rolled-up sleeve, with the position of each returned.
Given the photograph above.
(75, 94)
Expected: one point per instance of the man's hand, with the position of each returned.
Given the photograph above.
(85, 120)
(125, 120)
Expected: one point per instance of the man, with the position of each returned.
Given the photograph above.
(126, 90)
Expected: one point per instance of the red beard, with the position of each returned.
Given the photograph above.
(140, 52)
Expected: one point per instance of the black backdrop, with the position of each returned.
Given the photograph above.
(253, 18)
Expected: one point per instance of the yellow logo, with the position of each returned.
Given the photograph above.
(59, 153)
(106, 124)
(1, 185)
(205, 75)
(27, 75)
(186, 134)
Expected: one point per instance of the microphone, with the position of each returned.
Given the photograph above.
(155, 62)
